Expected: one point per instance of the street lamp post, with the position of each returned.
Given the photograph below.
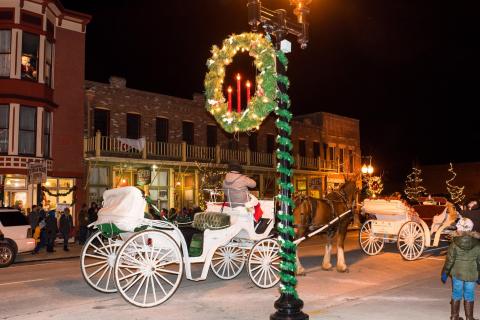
(275, 22)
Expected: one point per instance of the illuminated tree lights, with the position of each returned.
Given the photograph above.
(262, 103)
(456, 192)
(413, 188)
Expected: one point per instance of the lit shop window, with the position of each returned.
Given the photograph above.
(30, 46)
(59, 192)
(5, 49)
(4, 112)
(159, 188)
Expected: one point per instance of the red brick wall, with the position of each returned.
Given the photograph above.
(68, 118)
(120, 101)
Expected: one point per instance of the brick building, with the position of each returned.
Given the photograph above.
(41, 100)
(181, 141)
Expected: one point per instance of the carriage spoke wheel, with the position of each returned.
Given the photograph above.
(97, 261)
(149, 268)
(369, 242)
(228, 261)
(264, 263)
(411, 240)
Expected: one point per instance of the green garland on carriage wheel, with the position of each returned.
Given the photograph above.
(264, 100)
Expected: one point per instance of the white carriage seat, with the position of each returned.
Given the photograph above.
(123, 207)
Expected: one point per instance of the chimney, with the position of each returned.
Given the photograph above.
(117, 82)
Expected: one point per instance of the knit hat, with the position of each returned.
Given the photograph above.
(234, 165)
(464, 224)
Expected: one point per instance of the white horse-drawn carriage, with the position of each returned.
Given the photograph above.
(414, 228)
(144, 259)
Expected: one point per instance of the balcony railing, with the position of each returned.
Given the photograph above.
(99, 146)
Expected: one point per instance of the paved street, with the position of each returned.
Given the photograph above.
(380, 287)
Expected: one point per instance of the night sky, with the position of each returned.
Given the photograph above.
(407, 69)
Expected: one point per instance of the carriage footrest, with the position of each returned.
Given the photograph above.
(196, 245)
(109, 229)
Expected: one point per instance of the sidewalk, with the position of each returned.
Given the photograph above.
(75, 250)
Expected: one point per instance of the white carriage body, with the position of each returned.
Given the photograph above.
(390, 214)
(394, 220)
(145, 248)
(123, 207)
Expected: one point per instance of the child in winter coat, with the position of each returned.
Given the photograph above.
(463, 265)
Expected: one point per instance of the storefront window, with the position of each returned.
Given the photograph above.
(159, 188)
(4, 116)
(184, 190)
(15, 191)
(48, 62)
(30, 46)
(59, 192)
(98, 182)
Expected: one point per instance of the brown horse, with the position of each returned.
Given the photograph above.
(311, 213)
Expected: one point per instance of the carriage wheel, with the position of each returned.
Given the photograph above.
(369, 242)
(228, 261)
(264, 263)
(97, 261)
(411, 240)
(149, 268)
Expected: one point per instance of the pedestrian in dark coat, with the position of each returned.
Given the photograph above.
(51, 229)
(92, 215)
(463, 265)
(66, 225)
(83, 223)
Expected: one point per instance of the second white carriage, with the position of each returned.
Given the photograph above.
(413, 228)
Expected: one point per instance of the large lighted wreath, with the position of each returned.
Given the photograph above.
(264, 100)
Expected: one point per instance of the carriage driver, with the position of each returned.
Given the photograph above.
(236, 184)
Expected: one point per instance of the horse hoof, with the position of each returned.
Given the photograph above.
(301, 273)
(343, 270)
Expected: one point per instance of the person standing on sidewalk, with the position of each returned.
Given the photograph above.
(83, 223)
(92, 215)
(51, 230)
(463, 265)
(66, 225)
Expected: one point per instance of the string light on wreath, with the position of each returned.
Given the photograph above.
(375, 186)
(264, 100)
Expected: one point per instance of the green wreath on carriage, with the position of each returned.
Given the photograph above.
(264, 100)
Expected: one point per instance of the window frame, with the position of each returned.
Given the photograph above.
(47, 135)
(166, 122)
(269, 138)
(316, 149)
(135, 116)
(9, 54)
(7, 128)
(253, 142)
(212, 131)
(184, 123)
(25, 130)
(48, 65)
(37, 57)
(302, 148)
(107, 122)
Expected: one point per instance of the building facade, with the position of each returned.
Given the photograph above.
(175, 144)
(42, 47)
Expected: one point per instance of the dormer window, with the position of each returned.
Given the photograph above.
(5, 50)
(30, 47)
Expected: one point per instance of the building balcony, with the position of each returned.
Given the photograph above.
(105, 147)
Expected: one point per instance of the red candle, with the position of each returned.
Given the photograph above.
(239, 94)
(248, 92)
(229, 90)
